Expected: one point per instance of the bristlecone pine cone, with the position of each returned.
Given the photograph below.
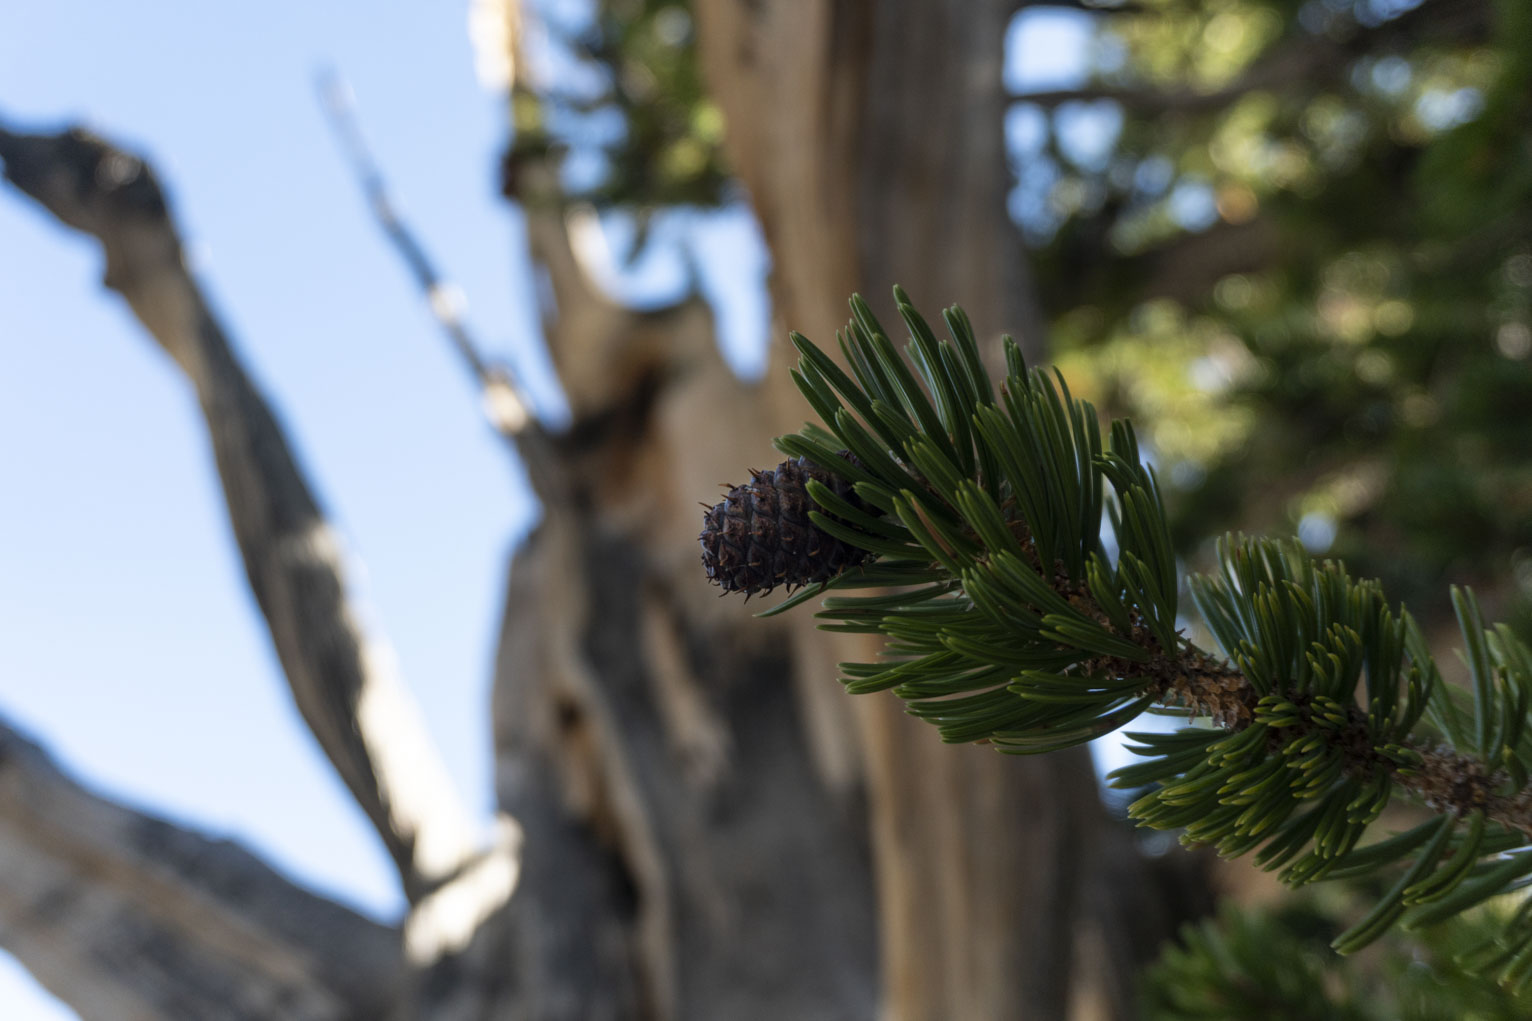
(760, 536)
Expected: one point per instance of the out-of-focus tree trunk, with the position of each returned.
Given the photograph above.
(691, 852)
(766, 833)
(870, 137)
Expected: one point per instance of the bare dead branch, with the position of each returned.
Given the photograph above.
(1121, 7)
(357, 708)
(1188, 266)
(505, 400)
(595, 343)
(1142, 100)
(127, 916)
(1300, 65)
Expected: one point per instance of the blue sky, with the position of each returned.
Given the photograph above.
(131, 646)
(129, 643)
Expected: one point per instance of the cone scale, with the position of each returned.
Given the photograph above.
(760, 535)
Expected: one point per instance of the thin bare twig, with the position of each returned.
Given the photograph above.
(1300, 65)
(505, 400)
(1121, 7)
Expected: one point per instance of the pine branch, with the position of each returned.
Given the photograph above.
(1206, 687)
(1007, 622)
(1269, 962)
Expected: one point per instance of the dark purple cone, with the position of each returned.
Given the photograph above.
(760, 536)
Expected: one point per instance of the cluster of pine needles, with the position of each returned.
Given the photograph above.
(1028, 592)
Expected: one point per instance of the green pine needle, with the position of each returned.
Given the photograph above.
(1008, 623)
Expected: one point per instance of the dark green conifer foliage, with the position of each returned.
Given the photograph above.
(1011, 619)
(1273, 964)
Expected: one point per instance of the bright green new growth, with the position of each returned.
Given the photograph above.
(1009, 621)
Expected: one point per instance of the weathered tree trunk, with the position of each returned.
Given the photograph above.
(712, 755)
(880, 125)
(651, 738)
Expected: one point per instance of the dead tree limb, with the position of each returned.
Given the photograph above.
(127, 916)
(357, 708)
(1302, 64)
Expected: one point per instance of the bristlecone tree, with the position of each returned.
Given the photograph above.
(1010, 623)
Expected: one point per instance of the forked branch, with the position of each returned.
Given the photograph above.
(341, 678)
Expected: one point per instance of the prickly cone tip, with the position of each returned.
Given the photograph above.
(760, 536)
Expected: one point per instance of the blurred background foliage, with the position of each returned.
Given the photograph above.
(1305, 268)
(1274, 963)
(1292, 239)
(625, 116)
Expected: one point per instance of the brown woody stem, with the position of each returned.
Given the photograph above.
(1444, 780)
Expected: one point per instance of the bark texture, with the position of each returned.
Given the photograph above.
(127, 917)
(685, 825)
(870, 137)
(712, 755)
